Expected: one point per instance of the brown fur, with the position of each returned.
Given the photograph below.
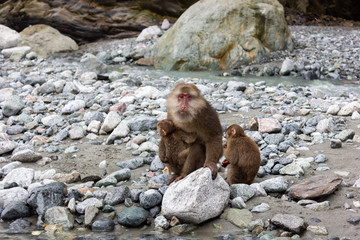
(243, 155)
(201, 119)
(174, 149)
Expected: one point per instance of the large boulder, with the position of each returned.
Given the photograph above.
(89, 20)
(225, 35)
(45, 40)
(8, 37)
(196, 198)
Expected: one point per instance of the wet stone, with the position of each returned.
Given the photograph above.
(132, 217)
(103, 225)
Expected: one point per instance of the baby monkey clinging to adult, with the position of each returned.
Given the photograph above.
(174, 150)
(243, 156)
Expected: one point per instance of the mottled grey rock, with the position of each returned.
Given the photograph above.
(345, 135)
(286, 67)
(15, 210)
(27, 175)
(156, 164)
(274, 139)
(108, 181)
(239, 217)
(160, 179)
(325, 125)
(90, 214)
(349, 108)
(238, 202)
(61, 216)
(13, 194)
(278, 184)
(51, 120)
(117, 195)
(242, 190)
(269, 125)
(103, 225)
(110, 122)
(81, 206)
(235, 86)
(13, 105)
(121, 131)
(19, 225)
(292, 169)
(263, 207)
(121, 175)
(16, 53)
(77, 132)
(150, 198)
(200, 191)
(131, 164)
(142, 123)
(7, 146)
(9, 167)
(289, 222)
(320, 158)
(322, 206)
(90, 63)
(26, 155)
(73, 106)
(46, 88)
(161, 222)
(132, 217)
(9, 38)
(47, 196)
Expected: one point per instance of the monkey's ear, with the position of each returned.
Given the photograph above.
(233, 131)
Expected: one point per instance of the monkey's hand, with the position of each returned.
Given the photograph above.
(213, 169)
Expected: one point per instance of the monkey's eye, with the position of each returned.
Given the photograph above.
(181, 96)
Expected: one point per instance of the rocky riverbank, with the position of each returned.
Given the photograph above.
(80, 131)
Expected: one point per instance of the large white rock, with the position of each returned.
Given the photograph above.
(196, 198)
(13, 194)
(223, 34)
(45, 40)
(22, 176)
(8, 37)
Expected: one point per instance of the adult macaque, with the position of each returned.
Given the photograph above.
(242, 154)
(174, 149)
(190, 112)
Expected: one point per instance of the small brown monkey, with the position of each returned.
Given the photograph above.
(190, 112)
(242, 154)
(174, 149)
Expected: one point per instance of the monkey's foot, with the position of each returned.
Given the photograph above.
(213, 169)
(172, 179)
(179, 178)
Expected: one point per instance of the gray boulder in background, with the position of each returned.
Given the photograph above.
(225, 35)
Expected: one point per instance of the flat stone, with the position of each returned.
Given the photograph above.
(315, 187)
(289, 222)
(239, 217)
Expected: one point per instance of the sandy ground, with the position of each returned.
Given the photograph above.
(347, 158)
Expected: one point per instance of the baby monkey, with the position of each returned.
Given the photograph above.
(242, 154)
(174, 150)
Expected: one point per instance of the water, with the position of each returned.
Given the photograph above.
(330, 87)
